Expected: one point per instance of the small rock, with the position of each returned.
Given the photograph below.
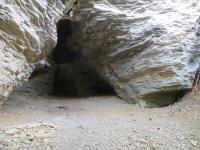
(142, 141)
(11, 131)
(26, 141)
(194, 143)
(180, 137)
(31, 139)
(44, 135)
(50, 124)
(16, 136)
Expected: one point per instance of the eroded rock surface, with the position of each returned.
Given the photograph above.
(27, 35)
(147, 50)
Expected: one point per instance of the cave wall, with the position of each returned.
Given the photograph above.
(146, 50)
(149, 56)
(27, 35)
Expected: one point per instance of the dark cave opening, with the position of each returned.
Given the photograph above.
(61, 54)
(74, 74)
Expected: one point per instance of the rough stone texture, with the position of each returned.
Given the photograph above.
(28, 136)
(147, 50)
(40, 82)
(27, 34)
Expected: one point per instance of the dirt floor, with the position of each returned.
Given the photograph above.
(97, 123)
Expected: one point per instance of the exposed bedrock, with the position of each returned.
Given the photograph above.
(27, 35)
(147, 50)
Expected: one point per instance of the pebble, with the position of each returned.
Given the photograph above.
(142, 141)
(31, 139)
(11, 131)
(44, 135)
(16, 136)
(194, 143)
(180, 137)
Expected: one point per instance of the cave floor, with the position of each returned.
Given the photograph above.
(97, 123)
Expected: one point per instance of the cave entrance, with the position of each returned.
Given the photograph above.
(74, 74)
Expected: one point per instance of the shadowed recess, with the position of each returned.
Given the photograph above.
(75, 76)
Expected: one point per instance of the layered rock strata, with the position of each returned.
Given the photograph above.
(146, 50)
(27, 35)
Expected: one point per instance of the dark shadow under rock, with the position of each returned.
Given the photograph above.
(75, 76)
(79, 79)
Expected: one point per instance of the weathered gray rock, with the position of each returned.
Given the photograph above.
(27, 35)
(147, 50)
(40, 83)
(11, 131)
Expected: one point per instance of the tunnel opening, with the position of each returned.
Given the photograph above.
(74, 75)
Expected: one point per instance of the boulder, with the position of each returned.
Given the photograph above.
(147, 50)
(27, 35)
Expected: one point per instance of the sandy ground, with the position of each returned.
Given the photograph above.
(97, 123)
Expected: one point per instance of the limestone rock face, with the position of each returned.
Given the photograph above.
(146, 50)
(27, 35)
